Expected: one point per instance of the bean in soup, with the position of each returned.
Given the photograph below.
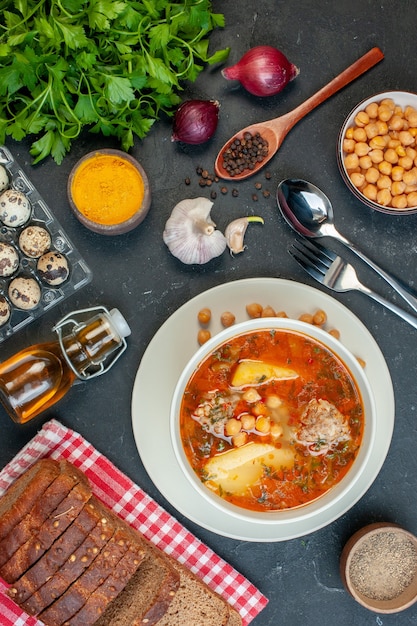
(271, 420)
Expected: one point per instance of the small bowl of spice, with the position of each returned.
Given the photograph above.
(378, 567)
(108, 191)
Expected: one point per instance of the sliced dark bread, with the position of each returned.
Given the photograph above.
(52, 528)
(124, 543)
(74, 566)
(195, 604)
(44, 505)
(57, 555)
(108, 591)
(147, 595)
(23, 493)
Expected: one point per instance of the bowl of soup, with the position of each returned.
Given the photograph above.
(272, 419)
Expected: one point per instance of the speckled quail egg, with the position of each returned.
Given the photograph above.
(34, 241)
(4, 178)
(4, 311)
(9, 259)
(53, 268)
(24, 293)
(15, 208)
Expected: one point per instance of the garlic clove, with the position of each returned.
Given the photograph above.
(191, 234)
(235, 232)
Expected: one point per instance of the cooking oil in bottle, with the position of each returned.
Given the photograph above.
(39, 376)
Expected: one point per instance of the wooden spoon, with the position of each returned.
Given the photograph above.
(275, 130)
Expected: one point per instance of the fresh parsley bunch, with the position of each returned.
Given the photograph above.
(111, 66)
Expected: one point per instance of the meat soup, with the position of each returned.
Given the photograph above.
(271, 420)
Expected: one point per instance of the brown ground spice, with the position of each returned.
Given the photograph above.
(384, 565)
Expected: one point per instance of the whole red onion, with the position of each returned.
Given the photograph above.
(263, 71)
(195, 121)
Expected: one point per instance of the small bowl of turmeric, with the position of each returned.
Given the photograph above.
(108, 191)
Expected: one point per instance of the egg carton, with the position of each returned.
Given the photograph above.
(41, 215)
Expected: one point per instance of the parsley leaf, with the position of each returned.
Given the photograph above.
(111, 66)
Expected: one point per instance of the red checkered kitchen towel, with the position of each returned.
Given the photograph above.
(131, 503)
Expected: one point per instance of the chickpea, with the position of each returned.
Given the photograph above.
(362, 148)
(361, 362)
(248, 421)
(204, 316)
(357, 179)
(372, 175)
(385, 168)
(251, 395)
(391, 156)
(383, 197)
(399, 202)
(349, 145)
(371, 130)
(365, 162)
(351, 161)
(254, 310)
(397, 173)
(259, 409)
(370, 192)
(276, 430)
(384, 113)
(383, 182)
(359, 134)
(372, 110)
(240, 439)
(397, 188)
(263, 424)
(268, 311)
(281, 314)
(306, 317)
(203, 336)
(273, 402)
(376, 155)
(362, 118)
(227, 319)
(406, 138)
(233, 427)
(412, 199)
(406, 162)
(334, 333)
(319, 318)
(410, 177)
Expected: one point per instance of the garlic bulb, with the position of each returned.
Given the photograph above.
(235, 232)
(191, 234)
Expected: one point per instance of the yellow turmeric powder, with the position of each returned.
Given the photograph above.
(107, 189)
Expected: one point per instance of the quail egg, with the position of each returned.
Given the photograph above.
(53, 268)
(24, 293)
(4, 311)
(4, 178)
(9, 259)
(15, 208)
(34, 241)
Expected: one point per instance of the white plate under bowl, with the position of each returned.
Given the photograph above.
(400, 98)
(174, 344)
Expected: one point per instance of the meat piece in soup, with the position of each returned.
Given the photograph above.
(271, 420)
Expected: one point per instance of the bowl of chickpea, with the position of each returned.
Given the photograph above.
(377, 152)
(272, 420)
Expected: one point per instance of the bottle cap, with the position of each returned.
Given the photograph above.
(120, 324)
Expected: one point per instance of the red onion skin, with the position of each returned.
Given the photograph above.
(263, 71)
(195, 121)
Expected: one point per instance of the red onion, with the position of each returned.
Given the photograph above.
(263, 71)
(195, 121)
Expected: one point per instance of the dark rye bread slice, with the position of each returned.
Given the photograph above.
(23, 493)
(195, 603)
(108, 591)
(147, 595)
(57, 555)
(124, 545)
(52, 528)
(44, 505)
(74, 566)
